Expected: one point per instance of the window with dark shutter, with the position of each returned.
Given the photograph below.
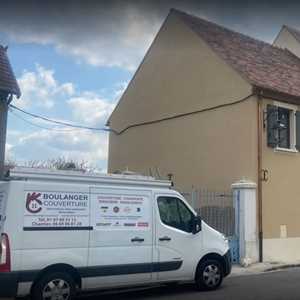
(298, 130)
(272, 125)
(284, 128)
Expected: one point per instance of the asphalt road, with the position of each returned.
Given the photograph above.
(280, 285)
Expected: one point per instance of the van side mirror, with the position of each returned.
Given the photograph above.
(197, 224)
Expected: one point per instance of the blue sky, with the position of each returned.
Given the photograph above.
(73, 62)
(56, 86)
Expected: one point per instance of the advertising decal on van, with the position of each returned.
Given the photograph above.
(111, 211)
(56, 210)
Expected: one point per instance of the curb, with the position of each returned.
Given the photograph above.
(282, 267)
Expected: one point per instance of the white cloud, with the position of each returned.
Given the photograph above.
(120, 89)
(90, 109)
(85, 108)
(78, 145)
(40, 88)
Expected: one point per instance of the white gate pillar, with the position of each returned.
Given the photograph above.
(244, 193)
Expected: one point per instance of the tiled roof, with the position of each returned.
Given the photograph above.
(263, 65)
(8, 81)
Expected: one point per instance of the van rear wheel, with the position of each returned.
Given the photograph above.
(54, 286)
(209, 275)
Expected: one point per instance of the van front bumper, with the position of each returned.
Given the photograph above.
(8, 284)
(227, 263)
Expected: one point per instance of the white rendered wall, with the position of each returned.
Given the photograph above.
(246, 221)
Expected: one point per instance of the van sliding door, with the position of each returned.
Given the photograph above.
(120, 248)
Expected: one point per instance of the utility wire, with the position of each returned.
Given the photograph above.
(136, 124)
(181, 115)
(58, 122)
(40, 126)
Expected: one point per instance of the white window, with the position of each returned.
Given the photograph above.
(282, 126)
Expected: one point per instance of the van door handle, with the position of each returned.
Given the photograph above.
(137, 239)
(165, 238)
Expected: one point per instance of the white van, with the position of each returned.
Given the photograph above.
(65, 232)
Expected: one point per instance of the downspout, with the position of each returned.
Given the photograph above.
(259, 168)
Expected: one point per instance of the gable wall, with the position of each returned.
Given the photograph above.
(180, 74)
(286, 40)
(211, 149)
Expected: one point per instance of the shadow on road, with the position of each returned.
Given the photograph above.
(180, 290)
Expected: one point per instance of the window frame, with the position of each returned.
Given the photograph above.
(177, 205)
(180, 214)
(292, 127)
(284, 135)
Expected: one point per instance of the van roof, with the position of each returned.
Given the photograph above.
(39, 174)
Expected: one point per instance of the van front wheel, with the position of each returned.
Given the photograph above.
(54, 286)
(209, 275)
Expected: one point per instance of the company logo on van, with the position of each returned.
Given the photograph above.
(104, 209)
(33, 203)
(130, 224)
(127, 209)
(116, 209)
(103, 224)
(143, 224)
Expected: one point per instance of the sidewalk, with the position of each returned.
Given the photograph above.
(258, 268)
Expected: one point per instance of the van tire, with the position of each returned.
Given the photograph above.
(209, 275)
(58, 284)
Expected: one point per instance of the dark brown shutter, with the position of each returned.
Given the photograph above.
(272, 126)
(298, 130)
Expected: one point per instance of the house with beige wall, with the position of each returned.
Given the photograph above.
(212, 106)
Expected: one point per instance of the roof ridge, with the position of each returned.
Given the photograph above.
(260, 63)
(229, 29)
(208, 22)
(291, 27)
(294, 32)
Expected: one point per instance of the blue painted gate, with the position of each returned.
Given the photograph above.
(234, 239)
(234, 249)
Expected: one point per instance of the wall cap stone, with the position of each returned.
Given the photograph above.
(244, 184)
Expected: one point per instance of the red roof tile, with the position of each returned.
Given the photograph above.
(262, 64)
(8, 82)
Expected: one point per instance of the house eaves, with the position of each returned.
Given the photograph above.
(8, 82)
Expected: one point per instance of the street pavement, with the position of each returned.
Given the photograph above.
(278, 285)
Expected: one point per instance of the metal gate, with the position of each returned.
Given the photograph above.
(216, 208)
